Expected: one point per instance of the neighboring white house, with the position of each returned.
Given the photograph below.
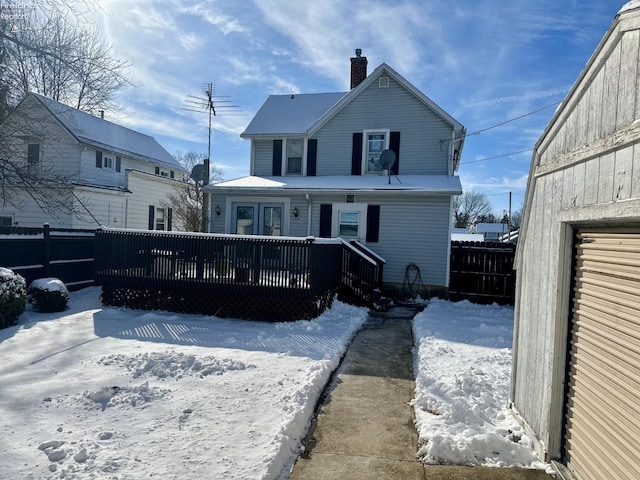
(119, 177)
(316, 170)
(576, 366)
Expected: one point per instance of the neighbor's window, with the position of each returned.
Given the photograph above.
(375, 143)
(348, 224)
(6, 221)
(33, 156)
(107, 162)
(295, 152)
(160, 222)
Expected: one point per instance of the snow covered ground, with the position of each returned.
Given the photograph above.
(99, 392)
(463, 369)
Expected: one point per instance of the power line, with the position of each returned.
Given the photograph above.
(478, 132)
(497, 156)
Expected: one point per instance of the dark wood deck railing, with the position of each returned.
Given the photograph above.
(362, 271)
(229, 275)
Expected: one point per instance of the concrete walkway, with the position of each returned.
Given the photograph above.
(365, 429)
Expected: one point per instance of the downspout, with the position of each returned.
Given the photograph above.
(308, 214)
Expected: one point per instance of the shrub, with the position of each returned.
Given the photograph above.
(13, 297)
(48, 295)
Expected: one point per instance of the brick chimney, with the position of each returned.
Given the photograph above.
(358, 68)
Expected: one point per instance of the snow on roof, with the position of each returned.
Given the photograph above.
(290, 114)
(417, 183)
(629, 6)
(467, 237)
(305, 113)
(101, 133)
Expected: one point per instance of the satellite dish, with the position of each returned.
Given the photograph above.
(387, 159)
(197, 173)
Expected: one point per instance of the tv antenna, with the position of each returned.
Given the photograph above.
(210, 104)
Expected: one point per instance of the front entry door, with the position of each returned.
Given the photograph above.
(257, 219)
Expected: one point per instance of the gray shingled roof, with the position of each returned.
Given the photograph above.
(291, 114)
(100, 133)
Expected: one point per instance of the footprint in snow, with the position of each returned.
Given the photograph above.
(182, 419)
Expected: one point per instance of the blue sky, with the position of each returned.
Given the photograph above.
(483, 61)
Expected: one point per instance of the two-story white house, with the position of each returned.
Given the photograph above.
(316, 170)
(112, 175)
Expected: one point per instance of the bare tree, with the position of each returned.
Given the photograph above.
(67, 63)
(469, 207)
(187, 198)
(516, 219)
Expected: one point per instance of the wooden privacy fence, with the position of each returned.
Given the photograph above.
(482, 272)
(49, 252)
(256, 277)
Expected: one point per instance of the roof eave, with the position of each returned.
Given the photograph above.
(269, 136)
(289, 190)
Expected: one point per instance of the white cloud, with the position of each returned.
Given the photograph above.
(206, 11)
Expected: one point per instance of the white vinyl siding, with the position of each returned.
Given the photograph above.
(412, 228)
(107, 208)
(392, 109)
(263, 151)
(424, 241)
(148, 189)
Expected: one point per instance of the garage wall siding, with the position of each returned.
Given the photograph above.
(585, 171)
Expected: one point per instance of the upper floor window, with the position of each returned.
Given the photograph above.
(164, 173)
(294, 155)
(108, 162)
(33, 156)
(160, 219)
(375, 142)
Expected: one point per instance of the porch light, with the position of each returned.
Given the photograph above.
(218, 211)
(295, 212)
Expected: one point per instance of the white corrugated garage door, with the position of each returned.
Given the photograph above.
(602, 435)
